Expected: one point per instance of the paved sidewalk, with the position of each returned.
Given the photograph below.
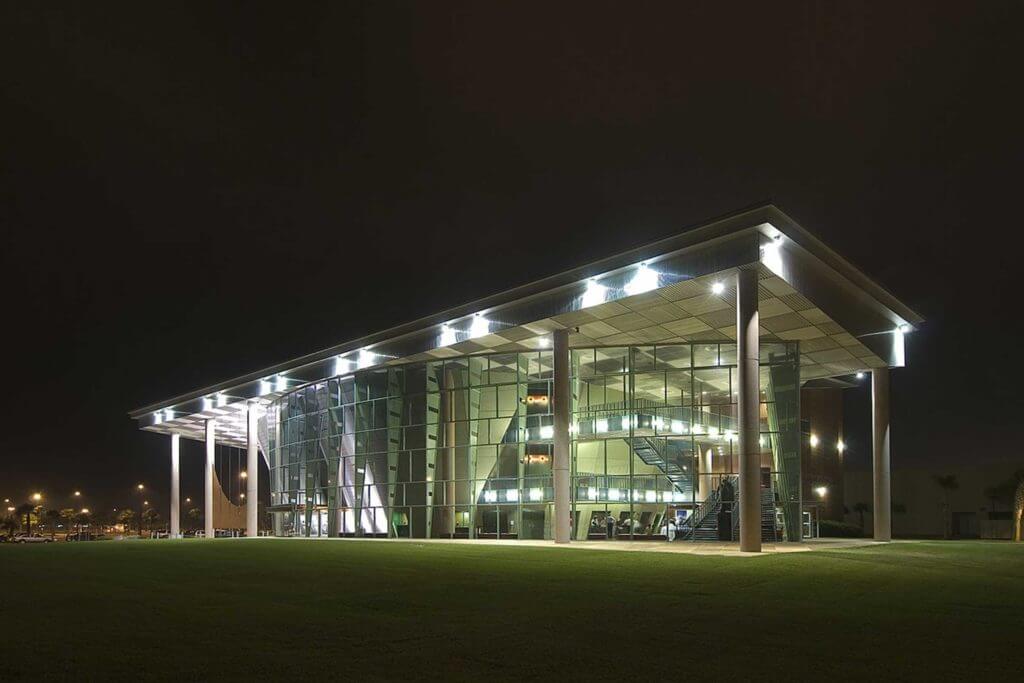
(681, 547)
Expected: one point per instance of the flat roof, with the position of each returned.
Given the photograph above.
(656, 293)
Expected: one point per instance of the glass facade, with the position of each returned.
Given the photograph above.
(462, 447)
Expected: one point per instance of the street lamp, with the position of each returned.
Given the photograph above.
(140, 488)
(78, 494)
(37, 497)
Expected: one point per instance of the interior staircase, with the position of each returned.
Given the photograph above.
(650, 451)
(703, 526)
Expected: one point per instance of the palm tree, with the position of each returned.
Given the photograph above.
(10, 524)
(196, 515)
(151, 516)
(52, 517)
(947, 483)
(26, 510)
(860, 509)
(125, 517)
(82, 518)
(68, 515)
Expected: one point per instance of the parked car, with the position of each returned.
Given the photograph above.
(34, 538)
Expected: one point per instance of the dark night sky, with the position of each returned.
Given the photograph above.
(193, 192)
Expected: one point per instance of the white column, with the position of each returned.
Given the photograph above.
(880, 454)
(252, 472)
(208, 482)
(705, 475)
(748, 409)
(175, 486)
(561, 408)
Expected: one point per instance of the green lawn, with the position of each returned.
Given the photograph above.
(203, 610)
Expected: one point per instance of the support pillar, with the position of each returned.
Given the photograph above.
(748, 409)
(175, 486)
(252, 475)
(880, 454)
(561, 408)
(211, 452)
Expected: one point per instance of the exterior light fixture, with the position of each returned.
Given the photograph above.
(447, 335)
(85, 511)
(860, 375)
(243, 475)
(822, 491)
(840, 446)
(366, 358)
(814, 440)
(904, 328)
(37, 497)
(77, 494)
(341, 365)
(480, 326)
(140, 487)
(717, 288)
(771, 255)
(644, 280)
(594, 295)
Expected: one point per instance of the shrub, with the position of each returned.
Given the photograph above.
(834, 529)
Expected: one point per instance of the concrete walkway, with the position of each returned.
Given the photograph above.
(680, 547)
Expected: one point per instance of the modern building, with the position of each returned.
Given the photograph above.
(653, 395)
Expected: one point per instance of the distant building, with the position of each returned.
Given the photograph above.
(655, 394)
(919, 500)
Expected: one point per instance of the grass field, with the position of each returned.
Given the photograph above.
(204, 610)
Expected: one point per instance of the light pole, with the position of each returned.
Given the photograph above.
(140, 488)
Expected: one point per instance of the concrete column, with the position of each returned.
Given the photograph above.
(208, 481)
(748, 409)
(175, 486)
(561, 409)
(252, 475)
(705, 475)
(880, 454)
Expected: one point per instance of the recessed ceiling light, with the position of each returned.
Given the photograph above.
(717, 288)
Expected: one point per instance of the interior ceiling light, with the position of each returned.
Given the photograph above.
(860, 375)
(717, 288)
(644, 280)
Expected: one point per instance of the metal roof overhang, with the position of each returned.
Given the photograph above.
(790, 260)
